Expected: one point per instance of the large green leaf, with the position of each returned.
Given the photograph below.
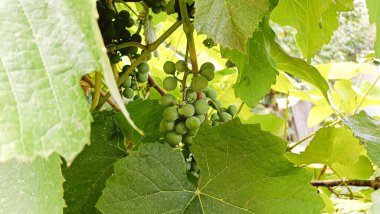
(299, 68)
(147, 114)
(256, 66)
(230, 22)
(242, 171)
(45, 48)
(374, 16)
(330, 145)
(362, 169)
(86, 176)
(315, 21)
(34, 187)
(368, 130)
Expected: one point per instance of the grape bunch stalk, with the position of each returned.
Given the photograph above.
(182, 119)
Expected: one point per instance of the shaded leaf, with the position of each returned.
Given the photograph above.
(330, 145)
(147, 114)
(86, 176)
(222, 20)
(234, 177)
(34, 187)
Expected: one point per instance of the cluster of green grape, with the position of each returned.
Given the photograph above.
(181, 121)
(139, 75)
(157, 6)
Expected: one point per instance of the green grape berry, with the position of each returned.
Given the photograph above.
(129, 22)
(208, 73)
(110, 33)
(166, 126)
(108, 14)
(115, 58)
(128, 93)
(225, 117)
(142, 77)
(208, 65)
(192, 132)
(187, 139)
(214, 116)
(193, 123)
(199, 83)
(170, 113)
(181, 128)
(201, 118)
(167, 100)
(125, 14)
(210, 93)
(156, 10)
(173, 138)
(169, 67)
(181, 66)
(136, 38)
(119, 23)
(187, 110)
(127, 83)
(218, 104)
(125, 34)
(143, 68)
(170, 83)
(191, 95)
(201, 106)
(232, 110)
(215, 122)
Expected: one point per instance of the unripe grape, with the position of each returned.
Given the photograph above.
(170, 113)
(125, 68)
(201, 118)
(210, 93)
(224, 116)
(207, 65)
(136, 38)
(127, 83)
(108, 14)
(199, 83)
(181, 66)
(208, 73)
(187, 110)
(173, 138)
(130, 22)
(128, 93)
(125, 14)
(201, 106)
(167, 100)
(193, 123)
(166, 126)
(169, 67)
(215, 122)
(110, 33)
(191, 95)
(192, 132)
(181, 128)
(115, 58)
(187, 139)
(143, 68)
(218, 104)
(142, 77)
(170, 83)
(125, 35)
(232, 110)
(119, 23)
(214, 116)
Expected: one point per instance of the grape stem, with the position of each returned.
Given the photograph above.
(188, 28)
(375, 184)
(150, 48)
(98, 84)
(87, 79)
(125, 45)
(152, 82)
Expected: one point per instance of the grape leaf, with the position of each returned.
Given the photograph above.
(230, 22)
(374, 16)
(256, 66)
(42, 59)
(375, 208)
(34, 187)
(330, 145)
(314, 20)
(86, 177)
(147, 114)
(362, 169)
(299, 68)
(368, 130)
(242, 171)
